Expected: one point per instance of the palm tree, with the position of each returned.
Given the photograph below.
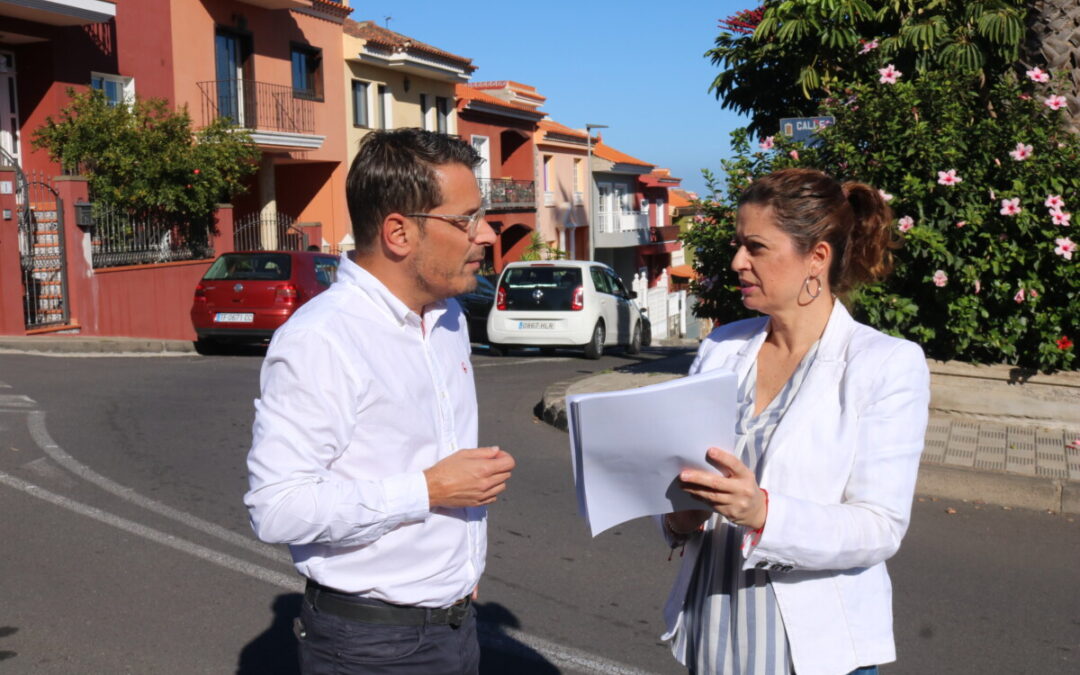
(1053, 30)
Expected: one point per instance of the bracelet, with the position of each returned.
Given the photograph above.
(677, 533)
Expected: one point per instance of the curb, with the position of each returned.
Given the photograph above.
(935, 480)
(76, 345)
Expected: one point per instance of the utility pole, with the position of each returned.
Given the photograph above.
(592, 184)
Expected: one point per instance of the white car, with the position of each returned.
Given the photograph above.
(563, 303)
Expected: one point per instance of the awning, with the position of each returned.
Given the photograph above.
(682, 271)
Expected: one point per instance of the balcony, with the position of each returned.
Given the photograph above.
(612, 222)
(659, 235)
(60, 12)
(278, 120)
(505, 194)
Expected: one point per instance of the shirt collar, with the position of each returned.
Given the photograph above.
(354, 275)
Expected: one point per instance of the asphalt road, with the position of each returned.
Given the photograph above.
(127, 548)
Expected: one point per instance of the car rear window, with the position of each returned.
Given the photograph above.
(251, 267)
(540, 288)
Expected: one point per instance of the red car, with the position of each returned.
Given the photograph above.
(246, 295)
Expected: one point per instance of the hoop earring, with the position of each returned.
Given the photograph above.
(813, 294)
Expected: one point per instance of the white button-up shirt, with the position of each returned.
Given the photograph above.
(357, 399)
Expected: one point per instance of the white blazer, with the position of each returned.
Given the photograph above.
(840, 471)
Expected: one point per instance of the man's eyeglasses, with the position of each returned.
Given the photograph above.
(468, 224)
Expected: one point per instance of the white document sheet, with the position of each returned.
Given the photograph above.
(629, 446)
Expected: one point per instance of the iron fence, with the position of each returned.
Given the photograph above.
(119, 238)
(275, 232)
(257, 105)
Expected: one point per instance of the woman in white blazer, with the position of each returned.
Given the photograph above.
(785, 570)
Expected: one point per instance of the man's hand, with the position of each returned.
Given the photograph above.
(472, 477)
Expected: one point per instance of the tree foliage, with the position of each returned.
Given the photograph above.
(144, 157)
(976, 279)
(802, 49)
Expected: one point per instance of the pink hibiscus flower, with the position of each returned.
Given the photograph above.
(1055, 102)
(886, 196)
(940, 278)
(1021, 152)
(1038, 75)
(794, 154)
(1060, 218)
(1054, 202)
(766, 143)
(1065, 247)
(906, 223)
(948, 177)
(1019, 297)
(868, 47)
(1010, 207)
(889, 75)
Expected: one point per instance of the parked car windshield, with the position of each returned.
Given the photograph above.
(250, 267)
(541, 288)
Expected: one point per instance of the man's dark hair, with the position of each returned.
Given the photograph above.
(394, 172)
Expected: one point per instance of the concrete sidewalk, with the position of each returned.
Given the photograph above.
(1013, 465)
(71, 345)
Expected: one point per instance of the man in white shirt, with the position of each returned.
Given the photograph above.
(364, 456)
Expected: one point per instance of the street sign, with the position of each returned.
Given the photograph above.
(804, 128)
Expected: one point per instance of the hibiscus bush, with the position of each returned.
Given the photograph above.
(981, 183)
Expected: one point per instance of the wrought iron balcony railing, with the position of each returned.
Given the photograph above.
(257, 106)
(505, 193)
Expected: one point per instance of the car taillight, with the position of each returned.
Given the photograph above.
(500, 298)
(200, 292)
(286, 294)
(578, 302)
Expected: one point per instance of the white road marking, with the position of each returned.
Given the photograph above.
(17, 402)
(520, 362)
(286, 581)
(36, 423)
(496, 637)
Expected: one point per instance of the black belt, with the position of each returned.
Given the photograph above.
(350, 607)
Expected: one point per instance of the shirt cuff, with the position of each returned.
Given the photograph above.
(407, 494)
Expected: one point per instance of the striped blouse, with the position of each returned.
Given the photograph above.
(731, 622)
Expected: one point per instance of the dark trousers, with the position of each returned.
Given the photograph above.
(331, 645)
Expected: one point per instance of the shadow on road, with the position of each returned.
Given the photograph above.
(274, 651)
(500, 653)
(4, 632)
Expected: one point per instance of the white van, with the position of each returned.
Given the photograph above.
(563, 303)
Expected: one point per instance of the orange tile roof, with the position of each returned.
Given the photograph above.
(678, 198)
(376, 34)
(603, 151)
(523, 89)
(561, 129)
(467, 93)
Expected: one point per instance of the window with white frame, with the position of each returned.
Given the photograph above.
(547, 173)
(442, 114)
(659, 212)
(424, 108)
(385, 104)
(117, 89)
(361, 116)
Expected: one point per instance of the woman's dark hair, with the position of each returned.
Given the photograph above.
(811, 207)
(394, 172)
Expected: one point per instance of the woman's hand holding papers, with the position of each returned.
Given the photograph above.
(732, 492)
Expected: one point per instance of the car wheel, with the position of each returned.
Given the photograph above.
(207, 346)
(496, 350)
(595, 347)
(635, 342)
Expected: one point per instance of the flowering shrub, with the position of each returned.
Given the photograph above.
(981, 190)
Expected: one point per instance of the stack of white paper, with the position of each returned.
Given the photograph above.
(629, 446)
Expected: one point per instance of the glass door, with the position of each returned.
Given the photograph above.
(229, 66)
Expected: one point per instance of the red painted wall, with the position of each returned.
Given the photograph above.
(145, 301)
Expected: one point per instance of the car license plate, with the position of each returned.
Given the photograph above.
(536, 325)
(234, 317)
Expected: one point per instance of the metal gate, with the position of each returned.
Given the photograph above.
(276, 232)
(41, 251)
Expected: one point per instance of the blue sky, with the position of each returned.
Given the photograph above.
(635, 65)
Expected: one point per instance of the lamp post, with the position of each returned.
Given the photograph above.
(591, 185)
